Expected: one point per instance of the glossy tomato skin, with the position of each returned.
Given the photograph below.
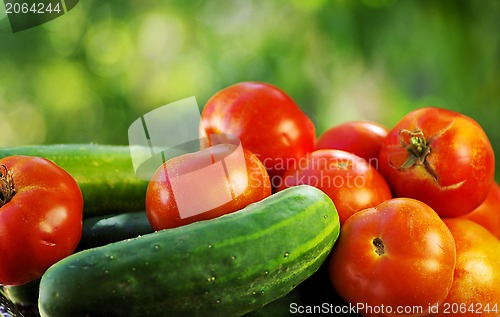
(475, 290)
(488, 213)
(455, 165)
(207, 195)
(349, 180)
(398, 254)
(362, 138)
(266, 120)
(42, 223)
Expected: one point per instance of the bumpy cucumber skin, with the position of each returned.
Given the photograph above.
(227, 266)
(314, 294)
(104, 173)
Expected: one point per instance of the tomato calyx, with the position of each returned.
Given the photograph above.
(6, 186)
(417, 146)
(418, 149)
(379, 246)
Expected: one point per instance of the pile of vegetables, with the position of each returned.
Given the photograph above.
(361, 220)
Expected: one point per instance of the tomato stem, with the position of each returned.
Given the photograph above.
(379, 246)
(6, 186)
(418, 149)
(417, 146)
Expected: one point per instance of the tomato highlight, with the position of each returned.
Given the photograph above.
(41, 210)
(204, 185)
(440, 157)
(397, 254)
(349, 180)
(266, 120)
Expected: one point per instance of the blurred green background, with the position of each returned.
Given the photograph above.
(86, 76)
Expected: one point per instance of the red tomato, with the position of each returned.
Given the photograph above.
(350, 181)
(40, 217)
(363, 138)
(475, 290)
(488, 213)
(265, 119)
(440, 157)
(393, 257)
(205, 185)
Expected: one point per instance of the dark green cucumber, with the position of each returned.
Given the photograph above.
(104, 173)
(314, 296)
(101, 230)
(226, 266)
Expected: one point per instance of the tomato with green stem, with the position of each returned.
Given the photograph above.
(441, 157)
(40, 217)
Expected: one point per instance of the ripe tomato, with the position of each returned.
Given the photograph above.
(398, 254)
(266, 120)
(363, 138)
(475, 290)
(205, 185)
(40, 217)
(440, 157)
(488, 213)
(349, 180)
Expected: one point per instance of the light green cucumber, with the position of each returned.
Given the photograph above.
(104, 173)
(226, 266)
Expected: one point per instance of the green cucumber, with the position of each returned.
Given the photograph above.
(104, 173)
(314, 296)
(226, 266)
(102, 230)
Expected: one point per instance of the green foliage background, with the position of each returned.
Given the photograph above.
(86, 76)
